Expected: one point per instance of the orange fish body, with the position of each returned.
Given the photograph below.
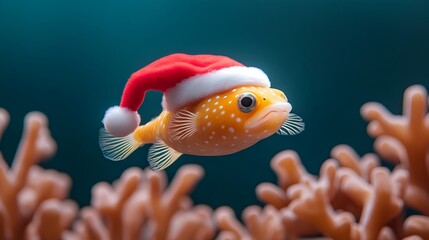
(218, 126)
(227, 121)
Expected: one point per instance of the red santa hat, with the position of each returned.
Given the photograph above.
(183, 79)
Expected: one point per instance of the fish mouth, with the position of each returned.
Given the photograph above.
(277, 110)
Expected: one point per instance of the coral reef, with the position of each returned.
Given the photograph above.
(32, 199)
(354, 197)
(139, 206)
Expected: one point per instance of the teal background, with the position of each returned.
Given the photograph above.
(71, 59)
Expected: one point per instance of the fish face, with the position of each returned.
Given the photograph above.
(235, 119)
(270, 112)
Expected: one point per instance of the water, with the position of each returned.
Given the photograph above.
(72, 59)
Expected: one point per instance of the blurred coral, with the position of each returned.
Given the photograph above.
(356, 198)
(404, 140)
(352, 198)
(32, 199)
(139, 206)
(259, 224)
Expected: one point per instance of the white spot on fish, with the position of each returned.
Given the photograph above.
(206, 142)
(209, 100)
(235, 137)
(213, 132)
(223, 137)
(206, 116)
(265, 131)
(210, 137)
(207, 109)
(232, 115)
(229, 102)
(222, 113)
(231, 130)
(220, 107)
(223, 126)
(225, 96)
(233, 90)
(216, 144)
(246, 131)
(238, 119)
(216, 103)
(232, 145)
(214, 110)
(209, 123)
(217, 97)
(203, 105)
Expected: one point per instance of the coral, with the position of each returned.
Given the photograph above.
(354, 197)
(405, 140)
(139, 206)
(32, 199)
(259, 224)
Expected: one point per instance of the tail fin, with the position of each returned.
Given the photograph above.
(117, 148)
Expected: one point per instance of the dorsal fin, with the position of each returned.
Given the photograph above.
(183, 124)
(161, 156)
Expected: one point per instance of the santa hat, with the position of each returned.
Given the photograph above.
(183, 79)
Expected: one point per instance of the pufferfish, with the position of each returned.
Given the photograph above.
(213, 106)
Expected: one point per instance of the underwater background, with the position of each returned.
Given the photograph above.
(71, 60)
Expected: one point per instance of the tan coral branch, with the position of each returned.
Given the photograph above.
(412, 131)
(417, 225)
(381, 206)
(51, 220)
(313, 207)
(289, 171)
(27, 191)
(348, 158)
(141, 206)
(164, 206)
(228, 223)
(110, 201)
(195, 224)
(259, 224)
(134, 216)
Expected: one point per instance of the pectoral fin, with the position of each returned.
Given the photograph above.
(161, 156)
(292, 126)
(183, 125)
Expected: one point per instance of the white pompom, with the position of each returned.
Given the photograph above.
(120, 121)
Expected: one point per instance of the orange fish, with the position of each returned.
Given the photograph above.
(235, 114)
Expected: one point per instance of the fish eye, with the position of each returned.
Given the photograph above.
(246, 102)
